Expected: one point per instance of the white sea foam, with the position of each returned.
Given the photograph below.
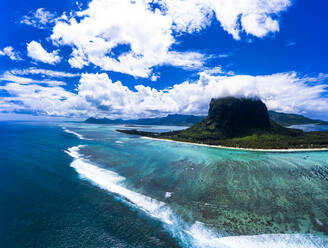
(168, 195)
(80, 136)
(204, 237)
(112, 182)
(119, 142)
(275, 240)
(196, 235)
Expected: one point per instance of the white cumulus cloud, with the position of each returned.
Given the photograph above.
(255, 17)
(39, 18)
(106, 25)
(37, 52)
(99, 33)
(284, 92)
(98, 95)
(9, 51)
(50, 101)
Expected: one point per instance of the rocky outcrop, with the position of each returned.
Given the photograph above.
(237, 116)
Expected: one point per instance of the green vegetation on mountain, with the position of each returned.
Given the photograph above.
(242, 123)
(293, 119)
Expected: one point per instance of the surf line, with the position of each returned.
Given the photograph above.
(189, 235)
(80, 136)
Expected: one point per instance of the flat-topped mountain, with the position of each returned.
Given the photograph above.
(232, 117)
(235, 117)
(242, 122)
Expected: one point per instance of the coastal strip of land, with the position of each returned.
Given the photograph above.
(240, 148)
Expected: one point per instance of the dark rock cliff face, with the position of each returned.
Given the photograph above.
(234, 113)
(235, 117)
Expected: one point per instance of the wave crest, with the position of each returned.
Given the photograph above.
(80, 136)
(195, 235)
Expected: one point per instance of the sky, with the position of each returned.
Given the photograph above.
(148, 58)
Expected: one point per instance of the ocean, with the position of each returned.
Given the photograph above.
(66, 184)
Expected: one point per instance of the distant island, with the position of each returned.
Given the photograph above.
(283, 119)
(170, 120)
(242, 123)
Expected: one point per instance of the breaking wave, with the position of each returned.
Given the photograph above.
(195, 235)
(80, 136)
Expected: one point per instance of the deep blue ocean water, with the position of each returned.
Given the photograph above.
(83, 185)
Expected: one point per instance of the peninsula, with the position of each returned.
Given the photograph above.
(241, 123)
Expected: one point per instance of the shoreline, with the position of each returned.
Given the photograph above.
(243, 149)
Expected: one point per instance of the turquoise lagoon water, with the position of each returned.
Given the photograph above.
(84, 185)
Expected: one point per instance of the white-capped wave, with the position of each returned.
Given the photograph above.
(275, 240)
(195, 235)
(80, 136)
(112, 182)
(204, 237)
